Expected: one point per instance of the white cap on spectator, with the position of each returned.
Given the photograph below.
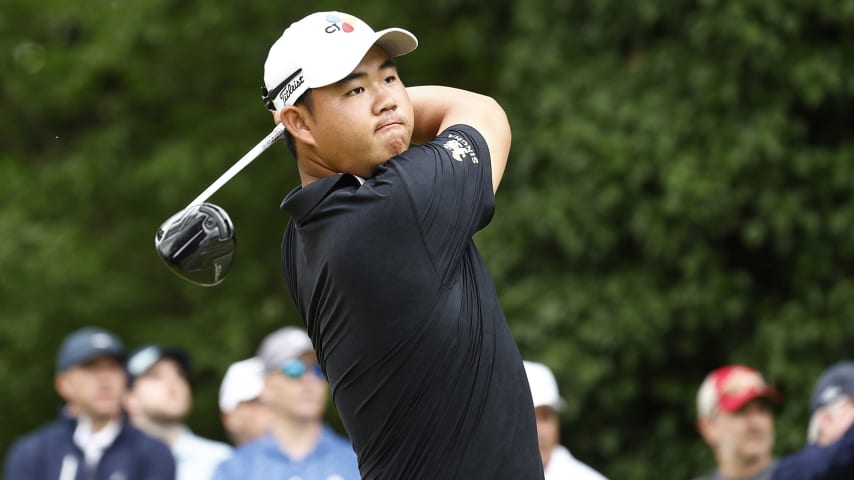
(243, 382)
(543, 386)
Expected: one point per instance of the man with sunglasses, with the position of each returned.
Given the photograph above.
(299, 443)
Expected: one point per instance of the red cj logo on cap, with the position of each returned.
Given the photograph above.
(346, 25)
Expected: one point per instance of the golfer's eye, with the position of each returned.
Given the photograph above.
(391, 79)
(355, 91)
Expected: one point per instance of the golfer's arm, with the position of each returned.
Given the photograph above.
(437, 108)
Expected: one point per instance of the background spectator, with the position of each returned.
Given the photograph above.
(558, 463)
(92, 439)
(244, 416)
(159, 402)
(736, 419)
(832, 404)
(299, 444)
(829, 454)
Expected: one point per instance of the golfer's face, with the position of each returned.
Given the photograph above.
(748, 433)
(363, 120)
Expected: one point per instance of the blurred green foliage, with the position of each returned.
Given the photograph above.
(678, 194)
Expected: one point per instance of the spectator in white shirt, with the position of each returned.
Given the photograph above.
(244, 415)
(558, 463)
(158, 403)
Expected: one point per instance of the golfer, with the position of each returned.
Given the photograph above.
(380, 260)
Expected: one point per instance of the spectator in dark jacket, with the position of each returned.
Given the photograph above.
(92, 440)
(830, 452)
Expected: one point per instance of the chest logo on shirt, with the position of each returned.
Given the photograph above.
(460, 148)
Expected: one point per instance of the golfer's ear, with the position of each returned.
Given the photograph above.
(294, 119)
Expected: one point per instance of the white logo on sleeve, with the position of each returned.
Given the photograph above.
(460, 148)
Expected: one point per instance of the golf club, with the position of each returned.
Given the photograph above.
(198, 243)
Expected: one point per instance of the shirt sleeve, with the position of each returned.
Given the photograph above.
(449, 184)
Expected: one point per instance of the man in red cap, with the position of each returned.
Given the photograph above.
(735, 417)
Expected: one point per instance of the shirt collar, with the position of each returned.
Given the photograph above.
(92, 443)
(184, 443)
(302, 200)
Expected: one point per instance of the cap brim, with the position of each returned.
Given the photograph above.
(272, 366)
(139, 365)
(92, 356)
(557, 406)
(735, 404)
(396, 41)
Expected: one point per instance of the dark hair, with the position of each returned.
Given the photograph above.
(305, 99)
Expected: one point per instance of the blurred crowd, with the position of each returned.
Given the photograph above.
(125, 412)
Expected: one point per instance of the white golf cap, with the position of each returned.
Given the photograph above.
(321, 49)
(543, 386)
(243, 382)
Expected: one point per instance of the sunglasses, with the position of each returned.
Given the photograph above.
(295, 368)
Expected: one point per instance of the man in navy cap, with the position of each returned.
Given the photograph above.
(92, 439)
(829, 454)
(832, 404)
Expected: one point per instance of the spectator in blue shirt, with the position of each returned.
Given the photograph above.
(299, 444)
(92, 440)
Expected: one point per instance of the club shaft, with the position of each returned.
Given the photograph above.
(251, 155)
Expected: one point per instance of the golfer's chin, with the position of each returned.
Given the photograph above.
(389, 150)
(395, 146)
(397, 139)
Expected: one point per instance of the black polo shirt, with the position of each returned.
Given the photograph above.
(405, 318)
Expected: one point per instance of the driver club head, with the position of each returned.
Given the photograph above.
(198, 244)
